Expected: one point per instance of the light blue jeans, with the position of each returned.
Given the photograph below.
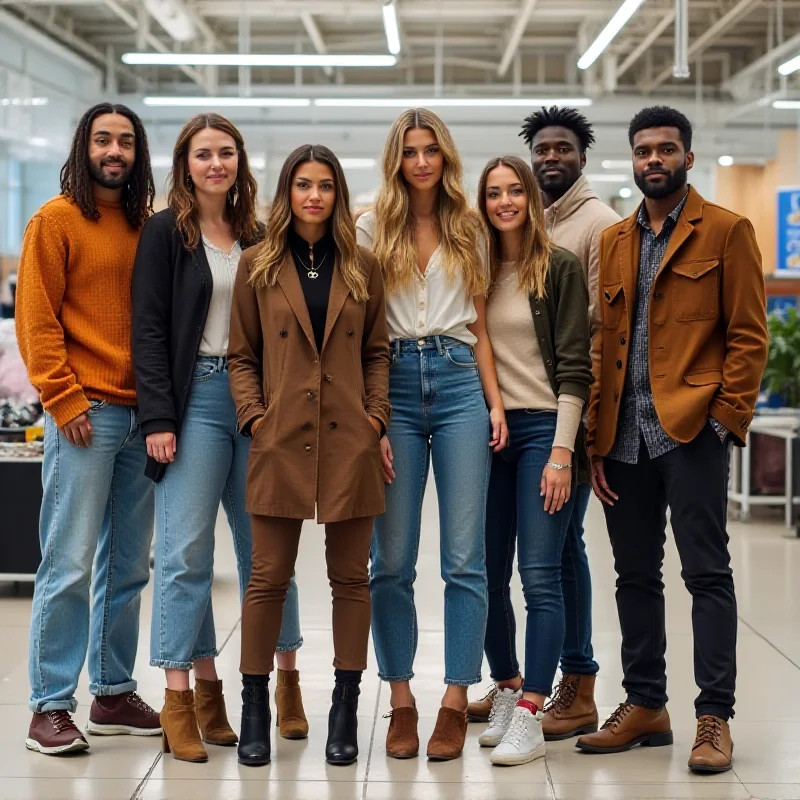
(97, 514)
(438, 412)
(210, 465)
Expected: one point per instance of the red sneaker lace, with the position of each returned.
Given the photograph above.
(564, 695)
(622, 711)
(61, 721)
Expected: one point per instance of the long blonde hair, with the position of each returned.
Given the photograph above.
(459, 227)
(534, 254)
(273, 250)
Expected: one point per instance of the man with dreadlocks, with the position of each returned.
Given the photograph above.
(575, 217)
(74, 328)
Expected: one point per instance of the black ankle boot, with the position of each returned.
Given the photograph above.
(342, 747)
(254, 743)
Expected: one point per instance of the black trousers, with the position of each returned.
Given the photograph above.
(692, 481)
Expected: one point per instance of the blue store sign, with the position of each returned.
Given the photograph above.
(789, 231)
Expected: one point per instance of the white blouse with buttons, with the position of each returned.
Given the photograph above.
(218, 322)
(433, 304)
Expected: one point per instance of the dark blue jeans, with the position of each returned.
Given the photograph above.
(577, 655)
(515, 517)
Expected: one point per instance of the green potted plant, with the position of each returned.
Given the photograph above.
(782, 374)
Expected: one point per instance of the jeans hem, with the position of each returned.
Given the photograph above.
(470, 682)
(497, 679)
(583, 671)
(161, 663)
(289, 648)
(396, 679)
(537, 690)
(645, 702)
(102, 690)
(43, 706)
(723, 712)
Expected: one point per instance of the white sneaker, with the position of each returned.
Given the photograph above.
(499, 717)
(523, 742)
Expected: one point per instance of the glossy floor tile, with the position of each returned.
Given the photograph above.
(766, 729)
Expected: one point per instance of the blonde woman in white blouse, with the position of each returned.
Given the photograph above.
(183, 280)
(446, 408)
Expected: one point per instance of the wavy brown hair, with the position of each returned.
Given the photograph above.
(76, 179)
(242, 196)
(273, 250)
(534, 254)
(459, 226)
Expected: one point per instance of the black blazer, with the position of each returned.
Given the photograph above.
(171, 293)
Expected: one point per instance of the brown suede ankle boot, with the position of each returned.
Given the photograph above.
(402, 739)
(212, 718)
(179, 732)
(572, 711)
(447, 740)
(291, 717)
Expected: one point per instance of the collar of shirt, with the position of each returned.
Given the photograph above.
(300, 247)
(644, 220)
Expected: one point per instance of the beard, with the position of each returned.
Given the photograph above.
(557, 185)
(674, 181)
(110, 181)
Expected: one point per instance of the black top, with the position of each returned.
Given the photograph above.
(171, 292)
(316, 290)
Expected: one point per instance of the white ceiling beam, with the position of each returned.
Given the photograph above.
(768, 60)
(521, 22)
(314, 33)
(646, 43)
(715, 31)
(154, 42)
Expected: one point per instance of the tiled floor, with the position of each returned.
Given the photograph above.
(766, 729)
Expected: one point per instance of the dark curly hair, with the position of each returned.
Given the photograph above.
(662, 117)
(567, 118)
(76, 181)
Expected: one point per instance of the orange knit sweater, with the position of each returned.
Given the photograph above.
(74, 307)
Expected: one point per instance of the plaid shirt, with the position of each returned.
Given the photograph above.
(638, 417)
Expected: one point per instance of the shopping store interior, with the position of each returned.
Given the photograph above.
(338, 72)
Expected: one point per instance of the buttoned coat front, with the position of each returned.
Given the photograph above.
(315, 444)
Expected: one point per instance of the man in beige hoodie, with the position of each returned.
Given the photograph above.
(575, 218)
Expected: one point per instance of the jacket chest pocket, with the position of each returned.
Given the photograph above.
(695, 290)
(613, 305)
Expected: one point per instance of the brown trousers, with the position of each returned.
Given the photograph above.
(275, 544)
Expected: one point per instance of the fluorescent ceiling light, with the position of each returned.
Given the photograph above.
(725, 161)
(257, 60)
(615, 24)
(786, 105)
(625, 193)
(390, 27)
(444, 102)
(608, 177)
(23, 101)
(357, 163)
(613, 164)
(790, 66)
(228, 102)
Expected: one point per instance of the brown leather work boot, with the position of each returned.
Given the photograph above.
(479, 710)
(572, 711)
(212, 717)
(447, 740)
(180, 734)
(713, 747)
(628, 726)
(402, 739)
(291, 717)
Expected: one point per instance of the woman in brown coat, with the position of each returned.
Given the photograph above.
(309, 368)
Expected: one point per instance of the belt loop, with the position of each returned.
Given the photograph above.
(396, 348)
(439, 345)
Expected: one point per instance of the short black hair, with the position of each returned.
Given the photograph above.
(662, 117)
(563, 118)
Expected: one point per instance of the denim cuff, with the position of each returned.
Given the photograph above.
(452, 682)
(43, 706)
(102, 690)
(645, 702)
(289, 648)
(723, 712)
(396, 678)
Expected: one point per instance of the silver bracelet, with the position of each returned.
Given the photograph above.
(554, 465)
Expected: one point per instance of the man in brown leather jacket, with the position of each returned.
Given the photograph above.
(682, 349)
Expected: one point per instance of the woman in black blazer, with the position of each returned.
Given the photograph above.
(183, 279)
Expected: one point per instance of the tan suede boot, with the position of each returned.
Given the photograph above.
(179, 732)
(212, 718)
(447, 740)
(572, 711)
(291, 717)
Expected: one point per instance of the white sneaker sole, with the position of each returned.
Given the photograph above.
(516, 759)
(95, 729)
(72, 747)
(490, 740)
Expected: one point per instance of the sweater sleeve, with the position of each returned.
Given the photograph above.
(41, 284)
(568, 419)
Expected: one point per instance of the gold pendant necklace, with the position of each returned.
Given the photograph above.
(312, 271)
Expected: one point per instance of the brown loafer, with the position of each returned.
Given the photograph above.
(402, 739)
(479, 710)
(713, 747)
(447, 741)
(628, 726)
(572, 711)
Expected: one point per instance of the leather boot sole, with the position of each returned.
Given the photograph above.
(435, 757)
(647, 740)
(221, 744)
(342, 762)
(403, 756)
(581, 730)
(254, 762)
(702, 769)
